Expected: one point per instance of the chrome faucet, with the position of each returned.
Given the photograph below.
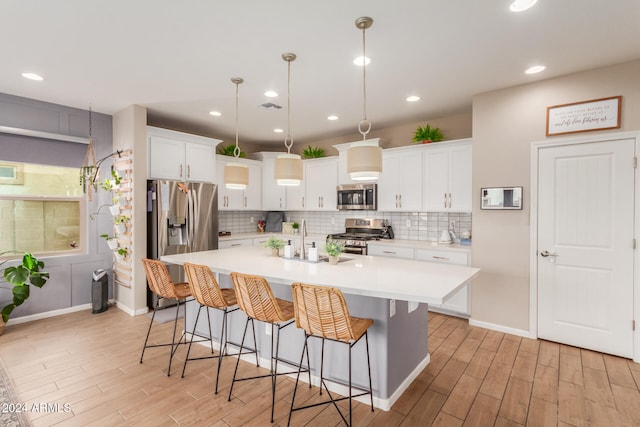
(303, 233)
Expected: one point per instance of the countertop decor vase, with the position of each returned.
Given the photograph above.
(333, 250)
(274, 244)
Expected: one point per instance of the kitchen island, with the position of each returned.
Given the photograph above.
(393, 292)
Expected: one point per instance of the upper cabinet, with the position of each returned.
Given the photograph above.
(447, 177)
(400, 185)
(247, 199)
(318, 189)
(180, 156)
(321, 180)
(273, 195)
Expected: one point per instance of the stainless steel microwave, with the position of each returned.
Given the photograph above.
(358, 197)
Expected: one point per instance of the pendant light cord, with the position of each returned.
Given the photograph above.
(288, 140)
(236, 151)
(365, 125)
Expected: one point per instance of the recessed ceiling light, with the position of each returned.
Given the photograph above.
(521, 5)
(271, 94)
(332, 117)
(278, 130)
(215, 113)
(535, 69)
(413, 98)
(33, 76)
(359, 61)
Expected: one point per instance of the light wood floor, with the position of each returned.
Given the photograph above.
(476, 377)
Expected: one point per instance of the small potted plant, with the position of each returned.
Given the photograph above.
(427, 134)
(111, 241)
(122, 253)
(111, 184)
(120, 222)
(274, 244)
(20, 277)
(312, 152)
(296, 227)
(333, 249)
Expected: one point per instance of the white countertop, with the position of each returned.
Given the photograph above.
(372, 276)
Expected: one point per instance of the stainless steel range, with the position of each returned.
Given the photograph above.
(359, 231)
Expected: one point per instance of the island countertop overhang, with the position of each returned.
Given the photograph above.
(372, 276)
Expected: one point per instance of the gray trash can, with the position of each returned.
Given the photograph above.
(99, 291)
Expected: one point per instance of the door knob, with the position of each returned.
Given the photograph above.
(548, 254)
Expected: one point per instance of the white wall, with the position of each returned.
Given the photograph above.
(505, 122)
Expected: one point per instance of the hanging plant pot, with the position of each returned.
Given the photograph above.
(113, 244)
(114, 209)
(120, 228)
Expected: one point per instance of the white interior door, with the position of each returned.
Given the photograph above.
(585, 245)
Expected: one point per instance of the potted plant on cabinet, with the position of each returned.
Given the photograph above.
(427, 134)
(333, 249)
(274, 244)
(312, 152)
(229, 150)
(20, 277)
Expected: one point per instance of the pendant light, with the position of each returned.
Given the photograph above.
(288, 167)
(236, 175)
(364, 159)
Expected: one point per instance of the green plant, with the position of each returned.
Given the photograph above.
(123, 252)
(20, 277)
(107, 237)
(110, 184)
(295, 225)
(121, 219)
(228, 150)
(312, 152)
(274, 243)
(427, 133)
(333, 248)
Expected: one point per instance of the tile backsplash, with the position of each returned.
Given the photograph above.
(406, 225)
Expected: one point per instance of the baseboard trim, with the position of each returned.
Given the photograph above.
(500, 328)
(47, 314)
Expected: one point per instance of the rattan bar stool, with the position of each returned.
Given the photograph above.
(256, 299)
(161, 284)
(322, 312)
(207, 292)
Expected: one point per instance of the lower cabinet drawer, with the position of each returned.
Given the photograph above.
(226, 244)
(447, 257)
(390, 251)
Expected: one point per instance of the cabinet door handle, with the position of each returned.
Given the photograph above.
(445, 200)
(389, 252)
(396, 200)
(400, 200)
(245, 201)
(280, 201)
(236, 244)
(188, 171)
(180, 170)
(303, 201)
(440, 257)
(449, 200)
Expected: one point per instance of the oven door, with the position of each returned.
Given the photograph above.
(358, 250)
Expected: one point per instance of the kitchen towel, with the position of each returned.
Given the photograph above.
(273, 221)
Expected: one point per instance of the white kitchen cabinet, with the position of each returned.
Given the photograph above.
(321, 179)
(180, 156)
(318, 189)
(400, 185)
(273, 195)
(458, 303)
(447, 177)
(248, 199)
(234, 243)
(378, 249)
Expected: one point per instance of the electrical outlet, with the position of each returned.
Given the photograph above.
(408, 223)
(452, 224)
(267, 328)
(251, 220)
(392, 308)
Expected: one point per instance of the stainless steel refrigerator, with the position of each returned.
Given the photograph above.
(181, 217)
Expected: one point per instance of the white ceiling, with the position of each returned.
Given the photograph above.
(177, 57)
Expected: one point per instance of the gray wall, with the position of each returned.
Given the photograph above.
(70, 282)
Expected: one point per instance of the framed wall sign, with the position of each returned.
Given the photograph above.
(501, 198)
(597, 114)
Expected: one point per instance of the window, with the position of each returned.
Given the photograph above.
(42, 209)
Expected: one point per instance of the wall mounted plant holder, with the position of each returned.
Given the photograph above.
(114, 209)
